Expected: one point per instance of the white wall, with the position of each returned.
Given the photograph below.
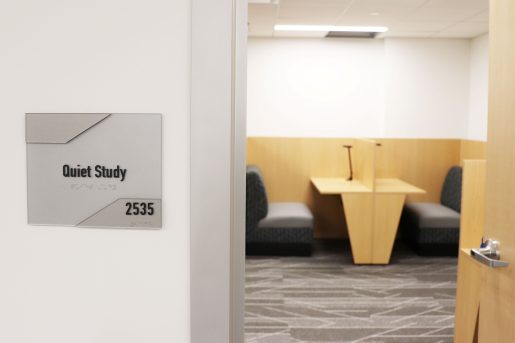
(62, 285)
(218, 156)
(350, 88)
(478, 101)
(426, 88)
(315, 87)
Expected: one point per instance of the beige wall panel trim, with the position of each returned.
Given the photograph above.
(472, 203)
(472, 150)
(387, 213)
(358, 212)
(467, 298)
(421, 162)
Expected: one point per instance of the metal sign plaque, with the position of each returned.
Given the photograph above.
(94, 170)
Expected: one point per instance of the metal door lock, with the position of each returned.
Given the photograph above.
(489, 254)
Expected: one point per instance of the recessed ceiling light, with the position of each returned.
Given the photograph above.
(375, 13)
(330, 28)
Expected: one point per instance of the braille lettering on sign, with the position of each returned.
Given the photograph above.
(94, 170)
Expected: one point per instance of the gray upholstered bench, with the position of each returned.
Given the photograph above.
(275, 228)
(432, 228)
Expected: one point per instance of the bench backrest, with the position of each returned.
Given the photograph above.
(257, 201)
(451, 190)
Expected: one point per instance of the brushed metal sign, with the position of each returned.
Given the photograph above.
(94, 169)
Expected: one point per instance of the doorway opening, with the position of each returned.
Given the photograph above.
(322, 78)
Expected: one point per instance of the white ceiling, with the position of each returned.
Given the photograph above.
(405, 18)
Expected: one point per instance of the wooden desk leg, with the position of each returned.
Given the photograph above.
(467, 299)
(358, 209)
(387, 214)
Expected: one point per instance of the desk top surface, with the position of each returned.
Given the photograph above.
(336, 185)
(396, 186)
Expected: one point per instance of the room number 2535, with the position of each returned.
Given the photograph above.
(139, 208)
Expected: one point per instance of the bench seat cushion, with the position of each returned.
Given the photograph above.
(431, 229)
(275, 228)
(287, 215)
(434, 229)
(432, 215)
(285, 223)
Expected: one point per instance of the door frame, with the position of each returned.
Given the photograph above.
(217, 170)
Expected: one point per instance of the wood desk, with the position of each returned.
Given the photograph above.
(372, 214)
(338, 185)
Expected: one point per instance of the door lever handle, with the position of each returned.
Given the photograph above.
(489, 255)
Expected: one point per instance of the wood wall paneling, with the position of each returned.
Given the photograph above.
(472, 150)
(421, 162)
(288, 164)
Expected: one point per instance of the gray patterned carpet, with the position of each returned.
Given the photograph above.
(325, 298)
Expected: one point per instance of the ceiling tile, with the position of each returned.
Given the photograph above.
(391, 3)
(464, 30)
(263, 2)
(366, 21)
(262, 12)
(312, 3)
(406, 34)
(299, 34)
(446, 34)
(261, 20)
(328, 13)
(389, 12)
(439, 15)
(319, 20)
(261, 29)
(262, 32)
(373, 12)
(477, 5)
(405, 18)
(474, 28)
(480, 17)
(419, 26)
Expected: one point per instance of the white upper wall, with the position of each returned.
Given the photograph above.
(427, 83)
(315, 87)
(478, 99)
(62, 284)
(404, 88)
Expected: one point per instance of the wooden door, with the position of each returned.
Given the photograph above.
(497, 304)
